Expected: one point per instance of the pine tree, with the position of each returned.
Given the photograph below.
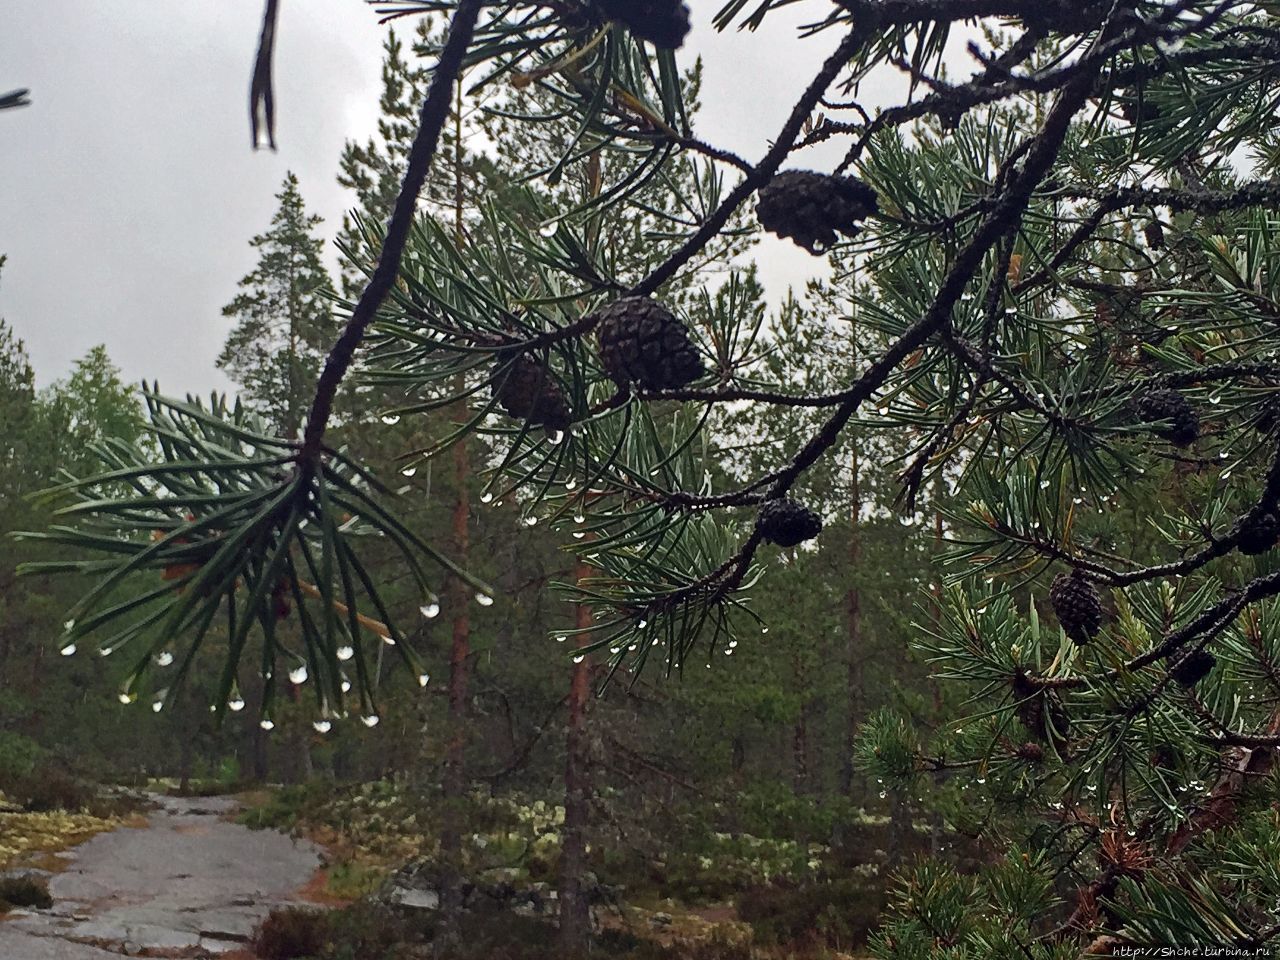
(284, 322)
(1023, 343)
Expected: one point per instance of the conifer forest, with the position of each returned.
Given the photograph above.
(551, 581)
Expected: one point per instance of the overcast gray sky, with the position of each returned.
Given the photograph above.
(129, 191)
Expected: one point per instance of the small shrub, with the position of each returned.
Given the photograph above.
(48, 788)
(291, 933)
(18, 757)
(839, 914)
(370, 931)
(25, 891)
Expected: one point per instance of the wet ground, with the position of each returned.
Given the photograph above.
(190, 883)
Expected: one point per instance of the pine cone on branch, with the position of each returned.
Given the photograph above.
(642, 342)
(1193, 668)
(527, 390)
(1183, 426)
(812, 208)
(1077, 606)
(1257, 535)
(664, 23)
(787, 523)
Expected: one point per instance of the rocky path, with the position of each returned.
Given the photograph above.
(189, 884)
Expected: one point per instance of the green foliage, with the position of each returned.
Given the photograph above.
(838, 914)
(18, 757)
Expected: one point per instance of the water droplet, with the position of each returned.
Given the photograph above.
(486, 497)
(69, 626)
(106, 651)
(164, 658)
(578, 535)
(561, 638)
(322, 726)
(883, 794)
(126, 697)
(764, 629)
(1044, 484)
(882, 411)
(298, 674)
(69, 650)
(549, 228)
(345, 686)
(982, 780)
(617, 650)
(157, 706)
(430, 609)
(728, 651)
(571, 484)
(408, 471)
(391, 419)
(235, 705)
(484, 599)
(733, 644)
(424, 679)
(267, 724)
(642, 624)
(389, 641)
(531, 521)
(579, 518)
(579, 658)
(557, 436)
(370, 721)
(345, 653)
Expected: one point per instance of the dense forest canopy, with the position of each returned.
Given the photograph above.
(975, 532)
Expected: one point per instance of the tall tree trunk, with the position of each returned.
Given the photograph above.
(455, 779)
(854, 655)
(575, 908)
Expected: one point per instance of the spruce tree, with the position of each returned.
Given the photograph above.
(284, 321)
(1066, 262)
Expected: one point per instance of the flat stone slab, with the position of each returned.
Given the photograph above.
(189, 878)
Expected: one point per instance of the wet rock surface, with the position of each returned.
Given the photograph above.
(189, 883)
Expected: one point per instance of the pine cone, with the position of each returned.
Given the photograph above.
(1268, 416)
(1030, 751)
(787, 523)
(1183, 425)
(811, 208)
(664, 23)
(642, 342)
(1154, 234)
(1077, 606)
(526, 390)
(1258, 535)
(1193, 668)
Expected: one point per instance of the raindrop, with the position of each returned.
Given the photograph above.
(235, 705)
(1044, 484)
(164, 658)
(982, 780)
(322, 726)
(267, 725)
(578, 535)
(430, 609)
(424, 679)
(729, 652)
(345, 653)
(484, 599)
(549, 228)
(764, 629)
(883, 794)
(345, 686)
(617, 650)
(531, 521)
(389, 641)
(642, 624)
(486, 497)
(571, 484)
(408, 471)
(106, 651)
(579, 658)
(557, 436)
(580, 518)
(125, 698)
(69, 650)
(733, 644)
(157, 706)
(298, 674)
(561, 638)
(370, 721)
(391, 419)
